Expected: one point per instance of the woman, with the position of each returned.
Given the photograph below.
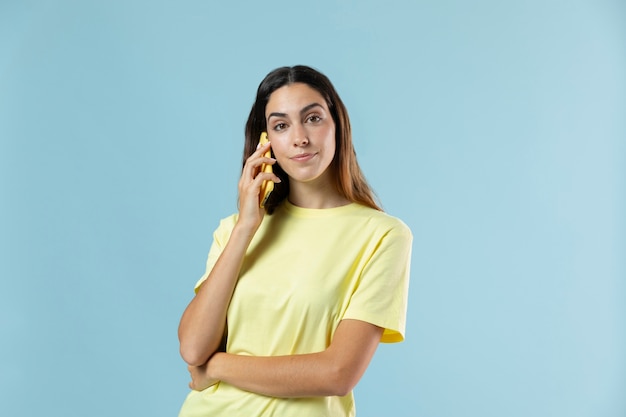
(298, 294)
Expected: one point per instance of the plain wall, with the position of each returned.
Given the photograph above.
(495, 130)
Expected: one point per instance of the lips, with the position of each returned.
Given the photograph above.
(303, 157)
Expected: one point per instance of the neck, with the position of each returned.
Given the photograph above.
(315, 196)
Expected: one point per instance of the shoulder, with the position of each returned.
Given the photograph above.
(229, 221)
(383, 221)
(225, 227)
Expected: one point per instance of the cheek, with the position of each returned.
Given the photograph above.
(330, 137)
(331, 143)
(279, 151)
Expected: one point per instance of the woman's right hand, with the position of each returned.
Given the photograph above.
(250, 212)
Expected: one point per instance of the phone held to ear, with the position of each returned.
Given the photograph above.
(268, 186)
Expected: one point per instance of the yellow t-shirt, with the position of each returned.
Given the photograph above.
(306, 270)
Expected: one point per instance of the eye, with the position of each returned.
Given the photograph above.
(279, 126)
(313, 118)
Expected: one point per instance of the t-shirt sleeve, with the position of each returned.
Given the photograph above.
(382, 292)
(220, 238)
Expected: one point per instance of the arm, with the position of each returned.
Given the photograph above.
(203, 323)
(333, 372)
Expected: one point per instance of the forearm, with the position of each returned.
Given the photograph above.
(203, 323)
(333, 372)
(310, 375)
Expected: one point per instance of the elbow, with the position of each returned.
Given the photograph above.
(193, 350)
(342, 382)
(193, 356)
(341, 391)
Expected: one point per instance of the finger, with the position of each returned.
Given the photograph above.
(257, 160)
(267, 176)
(265, 146)
(253, 188)
(260, 150)
(252, 170)
(253, 165)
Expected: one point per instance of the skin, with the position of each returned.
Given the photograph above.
(302, 136)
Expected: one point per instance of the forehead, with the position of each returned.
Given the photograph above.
(292, 98)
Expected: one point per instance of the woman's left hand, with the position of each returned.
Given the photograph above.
(200, 379)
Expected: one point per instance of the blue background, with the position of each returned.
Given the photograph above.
(495, 130)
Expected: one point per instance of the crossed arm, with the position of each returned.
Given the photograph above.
(334, 371)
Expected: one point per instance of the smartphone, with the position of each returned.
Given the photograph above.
(268, 186)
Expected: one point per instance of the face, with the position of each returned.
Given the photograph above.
(302, 132)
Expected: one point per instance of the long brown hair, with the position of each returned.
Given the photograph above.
(350, 181)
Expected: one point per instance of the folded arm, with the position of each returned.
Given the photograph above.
(332, 372)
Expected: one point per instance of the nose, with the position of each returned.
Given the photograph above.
(300, 136)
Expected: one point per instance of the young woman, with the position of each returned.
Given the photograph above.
(298, 294)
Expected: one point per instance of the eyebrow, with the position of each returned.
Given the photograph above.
(304, 110)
